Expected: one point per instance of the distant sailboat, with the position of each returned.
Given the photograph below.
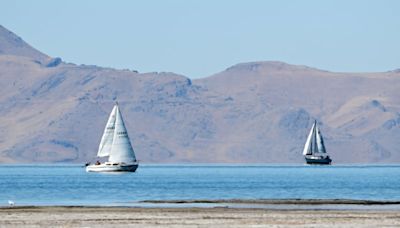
(116, 145)
(314, 149)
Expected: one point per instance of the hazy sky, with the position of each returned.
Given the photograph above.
(200, 38)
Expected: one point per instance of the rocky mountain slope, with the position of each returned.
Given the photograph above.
(51, 111)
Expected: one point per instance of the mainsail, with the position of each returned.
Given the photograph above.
(315, 142)
(320, 141)
(121, 150)
(108, 136)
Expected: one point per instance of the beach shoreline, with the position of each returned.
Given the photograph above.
(216, 216)
(270, 204)
(280, 201)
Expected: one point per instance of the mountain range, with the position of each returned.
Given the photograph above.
(255, 112)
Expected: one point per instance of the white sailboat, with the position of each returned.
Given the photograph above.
(314, 150)
(116, 145)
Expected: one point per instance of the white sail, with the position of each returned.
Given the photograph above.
(308, 146)
(108, 136)
(314, 148)
(320, 141)
(121, 151)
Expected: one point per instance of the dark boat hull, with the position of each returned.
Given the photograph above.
(318, 160)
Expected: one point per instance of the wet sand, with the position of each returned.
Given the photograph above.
(193, 217)
(280, 201)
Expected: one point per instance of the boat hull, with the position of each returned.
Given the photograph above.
(112, 167)
(318, 160)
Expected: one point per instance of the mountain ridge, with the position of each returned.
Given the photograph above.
(250, 112)
(11, 44)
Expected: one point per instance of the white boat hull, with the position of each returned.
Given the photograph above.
(110, 167)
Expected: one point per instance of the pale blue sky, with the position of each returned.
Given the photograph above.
(200, 38)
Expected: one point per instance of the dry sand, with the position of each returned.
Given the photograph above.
(192, 217)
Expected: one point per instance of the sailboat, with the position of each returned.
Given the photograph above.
(116, 145)
(314, 150)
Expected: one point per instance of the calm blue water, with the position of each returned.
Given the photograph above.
(71, 185)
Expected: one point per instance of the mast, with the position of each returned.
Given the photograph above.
(314, 139)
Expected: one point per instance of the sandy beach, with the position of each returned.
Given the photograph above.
(193, 217)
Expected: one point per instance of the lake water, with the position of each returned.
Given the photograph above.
(71, 185)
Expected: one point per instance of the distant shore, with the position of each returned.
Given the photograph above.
(83, 216)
